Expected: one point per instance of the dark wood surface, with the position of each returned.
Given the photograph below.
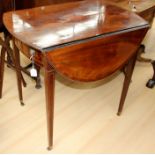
(145, 8)
(45, 27)
(83, 41)
(96, 59)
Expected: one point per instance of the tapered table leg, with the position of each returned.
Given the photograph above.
(127, 80)
(49, 92)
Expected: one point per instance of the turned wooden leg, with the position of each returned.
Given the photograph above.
(140, 52)
(151, 82)
(16, 61)
(49, 92)
(3, 51)
(128, 75)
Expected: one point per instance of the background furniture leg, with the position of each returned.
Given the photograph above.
(140, 52)
(151, 82)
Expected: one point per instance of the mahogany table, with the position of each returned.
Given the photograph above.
(82, 41)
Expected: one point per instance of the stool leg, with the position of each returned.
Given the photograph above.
(16, 61)
(3, 51)
(128, 75)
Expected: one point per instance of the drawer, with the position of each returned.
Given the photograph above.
(26, 51)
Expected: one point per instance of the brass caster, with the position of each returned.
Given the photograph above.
(22, 103)
(49, 148)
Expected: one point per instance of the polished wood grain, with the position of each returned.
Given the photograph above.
(96, 59)
(45, 27)
(144, 8)
(83, 41)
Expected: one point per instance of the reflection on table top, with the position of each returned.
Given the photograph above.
(49, 26)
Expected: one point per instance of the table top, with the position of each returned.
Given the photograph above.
(48, 27)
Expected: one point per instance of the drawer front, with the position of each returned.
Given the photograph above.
(26, 51)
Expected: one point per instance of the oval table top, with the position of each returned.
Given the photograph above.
(84, 41)
(46, 27)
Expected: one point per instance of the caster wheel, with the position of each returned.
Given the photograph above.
(49, 148)
(150, 83)
(22, 103)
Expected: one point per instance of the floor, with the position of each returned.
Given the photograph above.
(85, 114)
